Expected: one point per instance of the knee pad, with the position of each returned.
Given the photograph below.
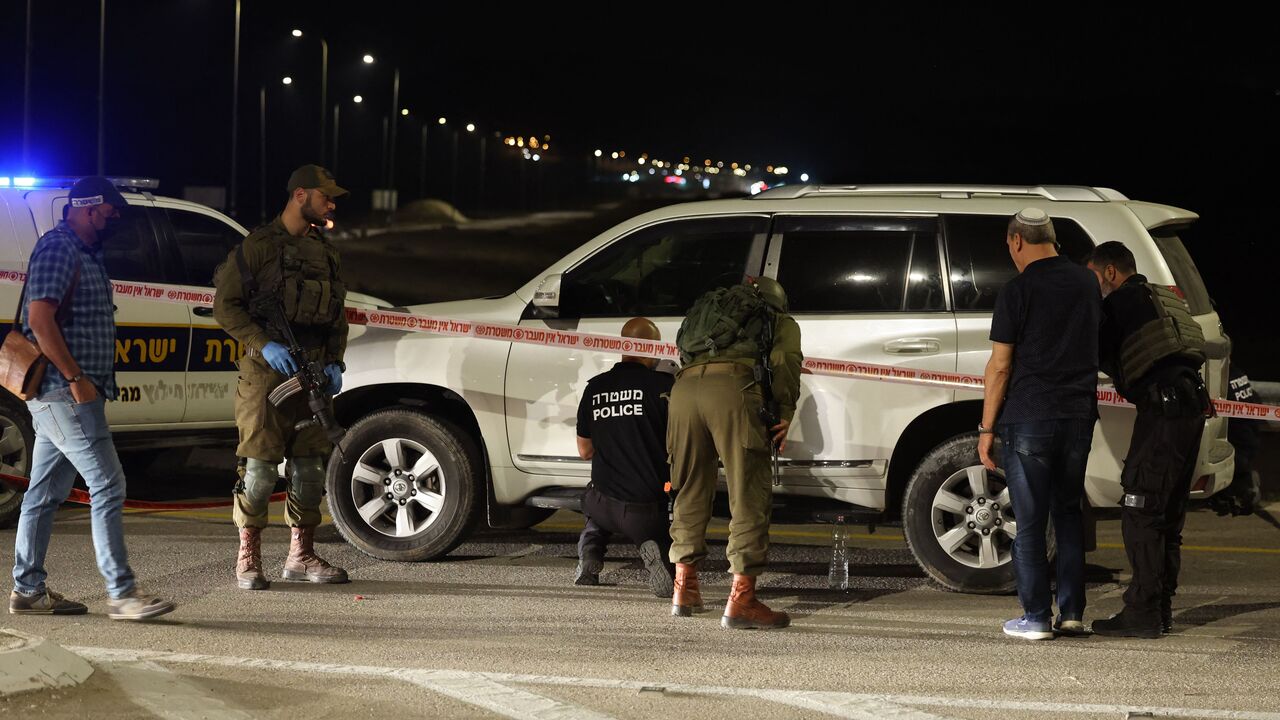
(306, 482)
(259, 480)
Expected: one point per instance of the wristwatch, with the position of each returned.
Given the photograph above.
(985, 431)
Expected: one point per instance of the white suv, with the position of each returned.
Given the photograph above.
(898, 275)
(175, 366)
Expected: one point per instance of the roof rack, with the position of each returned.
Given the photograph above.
(60, 181)
(1078, 193)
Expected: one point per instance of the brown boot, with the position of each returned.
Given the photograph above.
(304, 564)
(249, 561)
(687, 598)
(745, 612)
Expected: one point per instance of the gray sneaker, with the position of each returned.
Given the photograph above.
(45, 603)
(137, 606)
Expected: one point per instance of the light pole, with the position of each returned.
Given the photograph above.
(26, 97)
(333, 160)
(235, 112)
(102, 56)
(422, 162)
(388, 170)
(324, 88)
(391, 146)
(262, 153)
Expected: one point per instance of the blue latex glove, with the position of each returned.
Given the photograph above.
(335, 378)
(278, 357)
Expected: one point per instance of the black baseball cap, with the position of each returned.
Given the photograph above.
(95, 190)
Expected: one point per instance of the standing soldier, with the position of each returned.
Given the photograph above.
(284, 272)
(732, 401)
(1153, 349)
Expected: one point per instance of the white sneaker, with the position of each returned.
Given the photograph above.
(137, 606)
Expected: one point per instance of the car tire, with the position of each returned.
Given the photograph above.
(17, 438)
(950, 500)
(431, 472)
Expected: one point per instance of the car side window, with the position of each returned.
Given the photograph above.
(979, 256)
(202, 243)
(131, 249)
(660, 270)
(860, 264)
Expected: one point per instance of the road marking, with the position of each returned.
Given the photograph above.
(474, 689)
(157, 690)
(841, 704)
(724, 532)
(1209, 549)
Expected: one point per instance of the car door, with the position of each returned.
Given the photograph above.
(867, 289)
(657, 272)
(201, 240)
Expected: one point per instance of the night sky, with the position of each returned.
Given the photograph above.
(1163, 106)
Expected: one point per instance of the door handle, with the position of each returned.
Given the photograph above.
(203, 311)
(913, 346)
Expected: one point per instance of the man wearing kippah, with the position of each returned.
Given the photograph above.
(1041, 399)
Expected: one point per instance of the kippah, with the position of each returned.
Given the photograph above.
(1033, 216)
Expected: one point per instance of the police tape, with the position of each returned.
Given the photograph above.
(613, 344)
(80, 497)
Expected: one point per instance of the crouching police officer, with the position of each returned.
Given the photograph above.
(284, 271)
(741, 355)
(1153, 349)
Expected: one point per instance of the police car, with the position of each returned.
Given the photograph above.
(175, 367)
(890, 275)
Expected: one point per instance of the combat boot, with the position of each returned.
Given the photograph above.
(303, 563)
(249, 561)
(687, 596)
(745, 612)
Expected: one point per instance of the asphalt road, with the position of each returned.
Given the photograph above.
(498, 630)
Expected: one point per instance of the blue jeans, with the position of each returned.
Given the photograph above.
(1044, 465)
(72, 437)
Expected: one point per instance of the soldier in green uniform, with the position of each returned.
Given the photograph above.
(715, 413)
(284, 270)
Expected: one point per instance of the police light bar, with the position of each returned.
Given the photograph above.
(127, 183)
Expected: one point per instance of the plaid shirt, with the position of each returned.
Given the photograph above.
(90, 325)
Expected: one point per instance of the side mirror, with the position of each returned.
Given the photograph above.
(547, 297)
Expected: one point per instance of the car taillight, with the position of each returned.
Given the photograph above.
(1178, 291)
(1202, 483)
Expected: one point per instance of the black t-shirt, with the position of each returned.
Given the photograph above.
(1050, 313)
(624, 413)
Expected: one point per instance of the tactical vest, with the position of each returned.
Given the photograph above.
(1172, 334)
(726, 323)
(302, 277)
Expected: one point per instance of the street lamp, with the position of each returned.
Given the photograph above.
(357, 99)
(368, 59)
(324, 86)
(286, 80)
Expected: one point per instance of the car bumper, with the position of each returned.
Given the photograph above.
(1216, 472)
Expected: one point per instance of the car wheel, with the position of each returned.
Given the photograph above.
(17, 438)
(405, 486)
(959, 521)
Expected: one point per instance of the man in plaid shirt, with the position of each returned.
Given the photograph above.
(69, 415)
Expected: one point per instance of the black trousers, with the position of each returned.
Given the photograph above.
(637, 522)
(1157, 474)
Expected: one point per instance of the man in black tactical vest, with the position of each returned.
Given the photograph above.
(1153, 349)
(284, 272)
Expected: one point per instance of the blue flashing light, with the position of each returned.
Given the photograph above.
(24, 182)
(4, 182)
